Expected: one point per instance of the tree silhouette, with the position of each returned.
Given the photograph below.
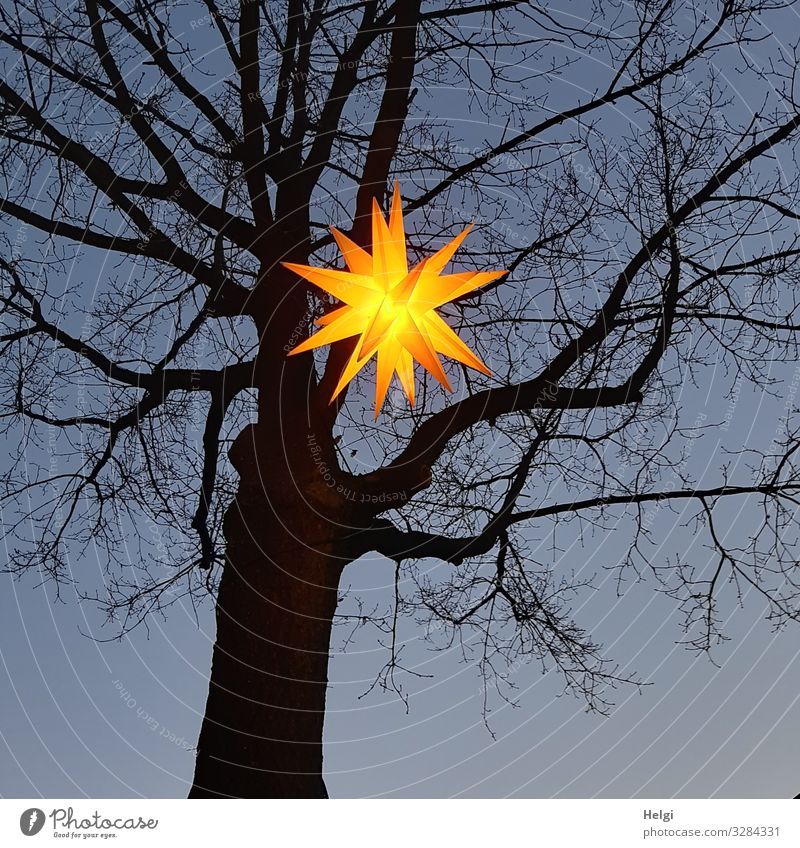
(161, 160)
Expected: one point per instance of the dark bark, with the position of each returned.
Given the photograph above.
(262, 732)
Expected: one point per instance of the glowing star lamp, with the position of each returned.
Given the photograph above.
(392, 309)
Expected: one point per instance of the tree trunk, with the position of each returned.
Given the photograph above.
(262, 732)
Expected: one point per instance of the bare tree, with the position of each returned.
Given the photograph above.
(160, 160)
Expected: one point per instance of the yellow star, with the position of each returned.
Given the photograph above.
(392, 309)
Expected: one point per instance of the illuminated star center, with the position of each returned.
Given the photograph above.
(391, 309)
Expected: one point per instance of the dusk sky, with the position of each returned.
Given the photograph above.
(83, 714)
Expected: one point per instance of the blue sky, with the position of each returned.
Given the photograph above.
(82, 714)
